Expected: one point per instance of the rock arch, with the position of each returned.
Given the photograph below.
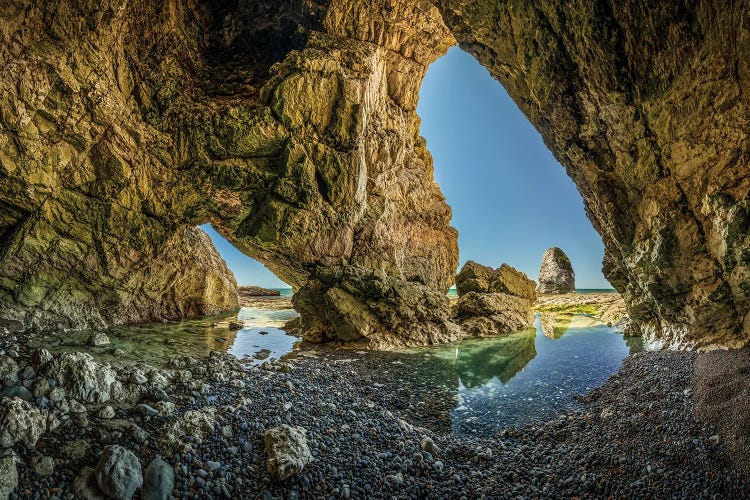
(291, 127)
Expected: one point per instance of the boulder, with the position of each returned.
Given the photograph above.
(85, 486)
(16, 391)
(195, 423)
(488, 314)
(158, 482)
(287, 451)
(118, 473)
(556, 274)
(20, 422)
(8, 371)
(98, 339)
(43, 465)
(475, 277)
(83, 378)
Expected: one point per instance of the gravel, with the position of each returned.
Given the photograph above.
(377, 435)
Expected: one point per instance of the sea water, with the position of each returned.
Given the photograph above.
(522, 377)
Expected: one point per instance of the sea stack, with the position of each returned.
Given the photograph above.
(556, 274)
(493, 301)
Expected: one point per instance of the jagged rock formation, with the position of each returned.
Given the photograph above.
(556, 273)
(493, 301)
(374, 309)
(291, 127)
(646, 105)
(478, 278)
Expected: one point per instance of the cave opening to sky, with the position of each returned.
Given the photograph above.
(511, 199)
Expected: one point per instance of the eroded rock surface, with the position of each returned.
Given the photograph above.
(287, 450)
(493, 301)
(478, 278)
(291, 128)
(643, 104)
(556, 274)
(376, 310)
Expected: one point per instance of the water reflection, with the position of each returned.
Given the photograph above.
(156, 343)
(477, 361)
(527, 376)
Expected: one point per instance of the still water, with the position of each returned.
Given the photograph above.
(259, 340)
(473, 387)
(523, 377)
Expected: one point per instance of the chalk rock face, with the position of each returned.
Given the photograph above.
(493, 301)
(644, 107)
(556, 274)
(305, 153)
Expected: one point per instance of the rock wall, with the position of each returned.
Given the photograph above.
(291, 126)
(645, 104)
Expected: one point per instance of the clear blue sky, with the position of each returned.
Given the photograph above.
(511, 200)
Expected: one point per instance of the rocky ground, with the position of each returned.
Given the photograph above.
(607, 306)
(341, 424)
(266, 302)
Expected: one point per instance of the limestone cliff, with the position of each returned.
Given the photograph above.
(290, 126)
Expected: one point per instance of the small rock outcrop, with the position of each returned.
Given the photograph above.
(489, 314)
(373, 309)
(478, 278)
(287, 450)
(257, 291)
(84, 378)
(556, 274)
(20, 422)
(493, 301)
(118, 473)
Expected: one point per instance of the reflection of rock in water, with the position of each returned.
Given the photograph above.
(479, 361)
(554, 326)
(635, 344)
(219, 339)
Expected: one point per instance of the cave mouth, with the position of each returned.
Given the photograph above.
(511, 199)
(247, 271)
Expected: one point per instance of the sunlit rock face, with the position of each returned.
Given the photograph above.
(493, 301)
(290, 126)
(556, 273)
(646, 105)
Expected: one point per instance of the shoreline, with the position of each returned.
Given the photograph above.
(636, 435)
